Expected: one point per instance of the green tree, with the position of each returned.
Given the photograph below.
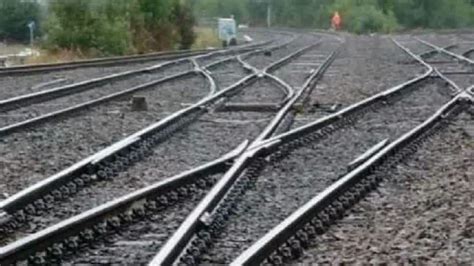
(434, 13)
(184, 21)
(15, 16)
(358, 15)
(100, 26)
(120, 26)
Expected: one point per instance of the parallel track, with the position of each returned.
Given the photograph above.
(145, 73)
(382, 129)
(258, 75)
(210, 212)
(195, 108)
(286, 241)
(452, 67)
(99, 62)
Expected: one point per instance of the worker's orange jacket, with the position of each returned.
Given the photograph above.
(336, 21)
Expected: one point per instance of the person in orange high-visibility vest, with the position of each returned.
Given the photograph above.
(336, 21)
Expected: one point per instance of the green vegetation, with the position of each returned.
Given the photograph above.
(116, 27)
(14, 18)
(120, 26)
(360, 16)
(206, 37)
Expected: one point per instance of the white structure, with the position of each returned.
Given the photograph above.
(227, 30)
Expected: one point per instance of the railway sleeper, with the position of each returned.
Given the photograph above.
(107, 169)
(213, 223)
(106, 228)
(101, 172)
(318, 135)
(334, 209)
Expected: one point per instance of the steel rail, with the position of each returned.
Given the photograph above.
(468, 52)
(345, 113)
(455, 88)
(471, 90)
(266, 246)
(286, 88)
(77, 108)
(436, 51)
(60, 113)
(105, 159)
(26, 196)
(283, 236)
(119, 146)
(111, 61)
(265, 73)
(108, 61)
(202, 71)
(208, 209)
(457, 56)
(41, 96)
(37, 242)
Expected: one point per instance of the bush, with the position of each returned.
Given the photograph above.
(365, 16)
(368, 19)
(119, 26)
(184, 20)
(14, 18)
(359, 15)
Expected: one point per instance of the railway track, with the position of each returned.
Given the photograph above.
(237, 202)
(104, 125)
(109, 83)
(364, 67)
(449, 65)
(98, 62)
(229, 187)
(235, 221)
(463, 48)
(61, 101)
(286, 241)
(225, 118)
(113, 64)
(96, 128)
(420, 213)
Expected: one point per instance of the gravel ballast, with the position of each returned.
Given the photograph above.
(262, 60)
(300, 68)
(28, 157)
(364, 66)
(228, 73)
(139, 243)
(209, 137)
(421, 214)
(11, 86)
(25, 84)
(264, 90)
(281, 189)
(36, 110)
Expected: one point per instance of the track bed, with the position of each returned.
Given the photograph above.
(421, 213)
(284, 187)
(365, 66)
(28, 157)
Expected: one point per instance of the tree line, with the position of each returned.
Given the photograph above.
(360, 16)
(102, 26)
(117, 27)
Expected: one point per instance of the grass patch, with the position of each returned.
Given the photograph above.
(7, 49)
(205, 38)
(55, 57)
